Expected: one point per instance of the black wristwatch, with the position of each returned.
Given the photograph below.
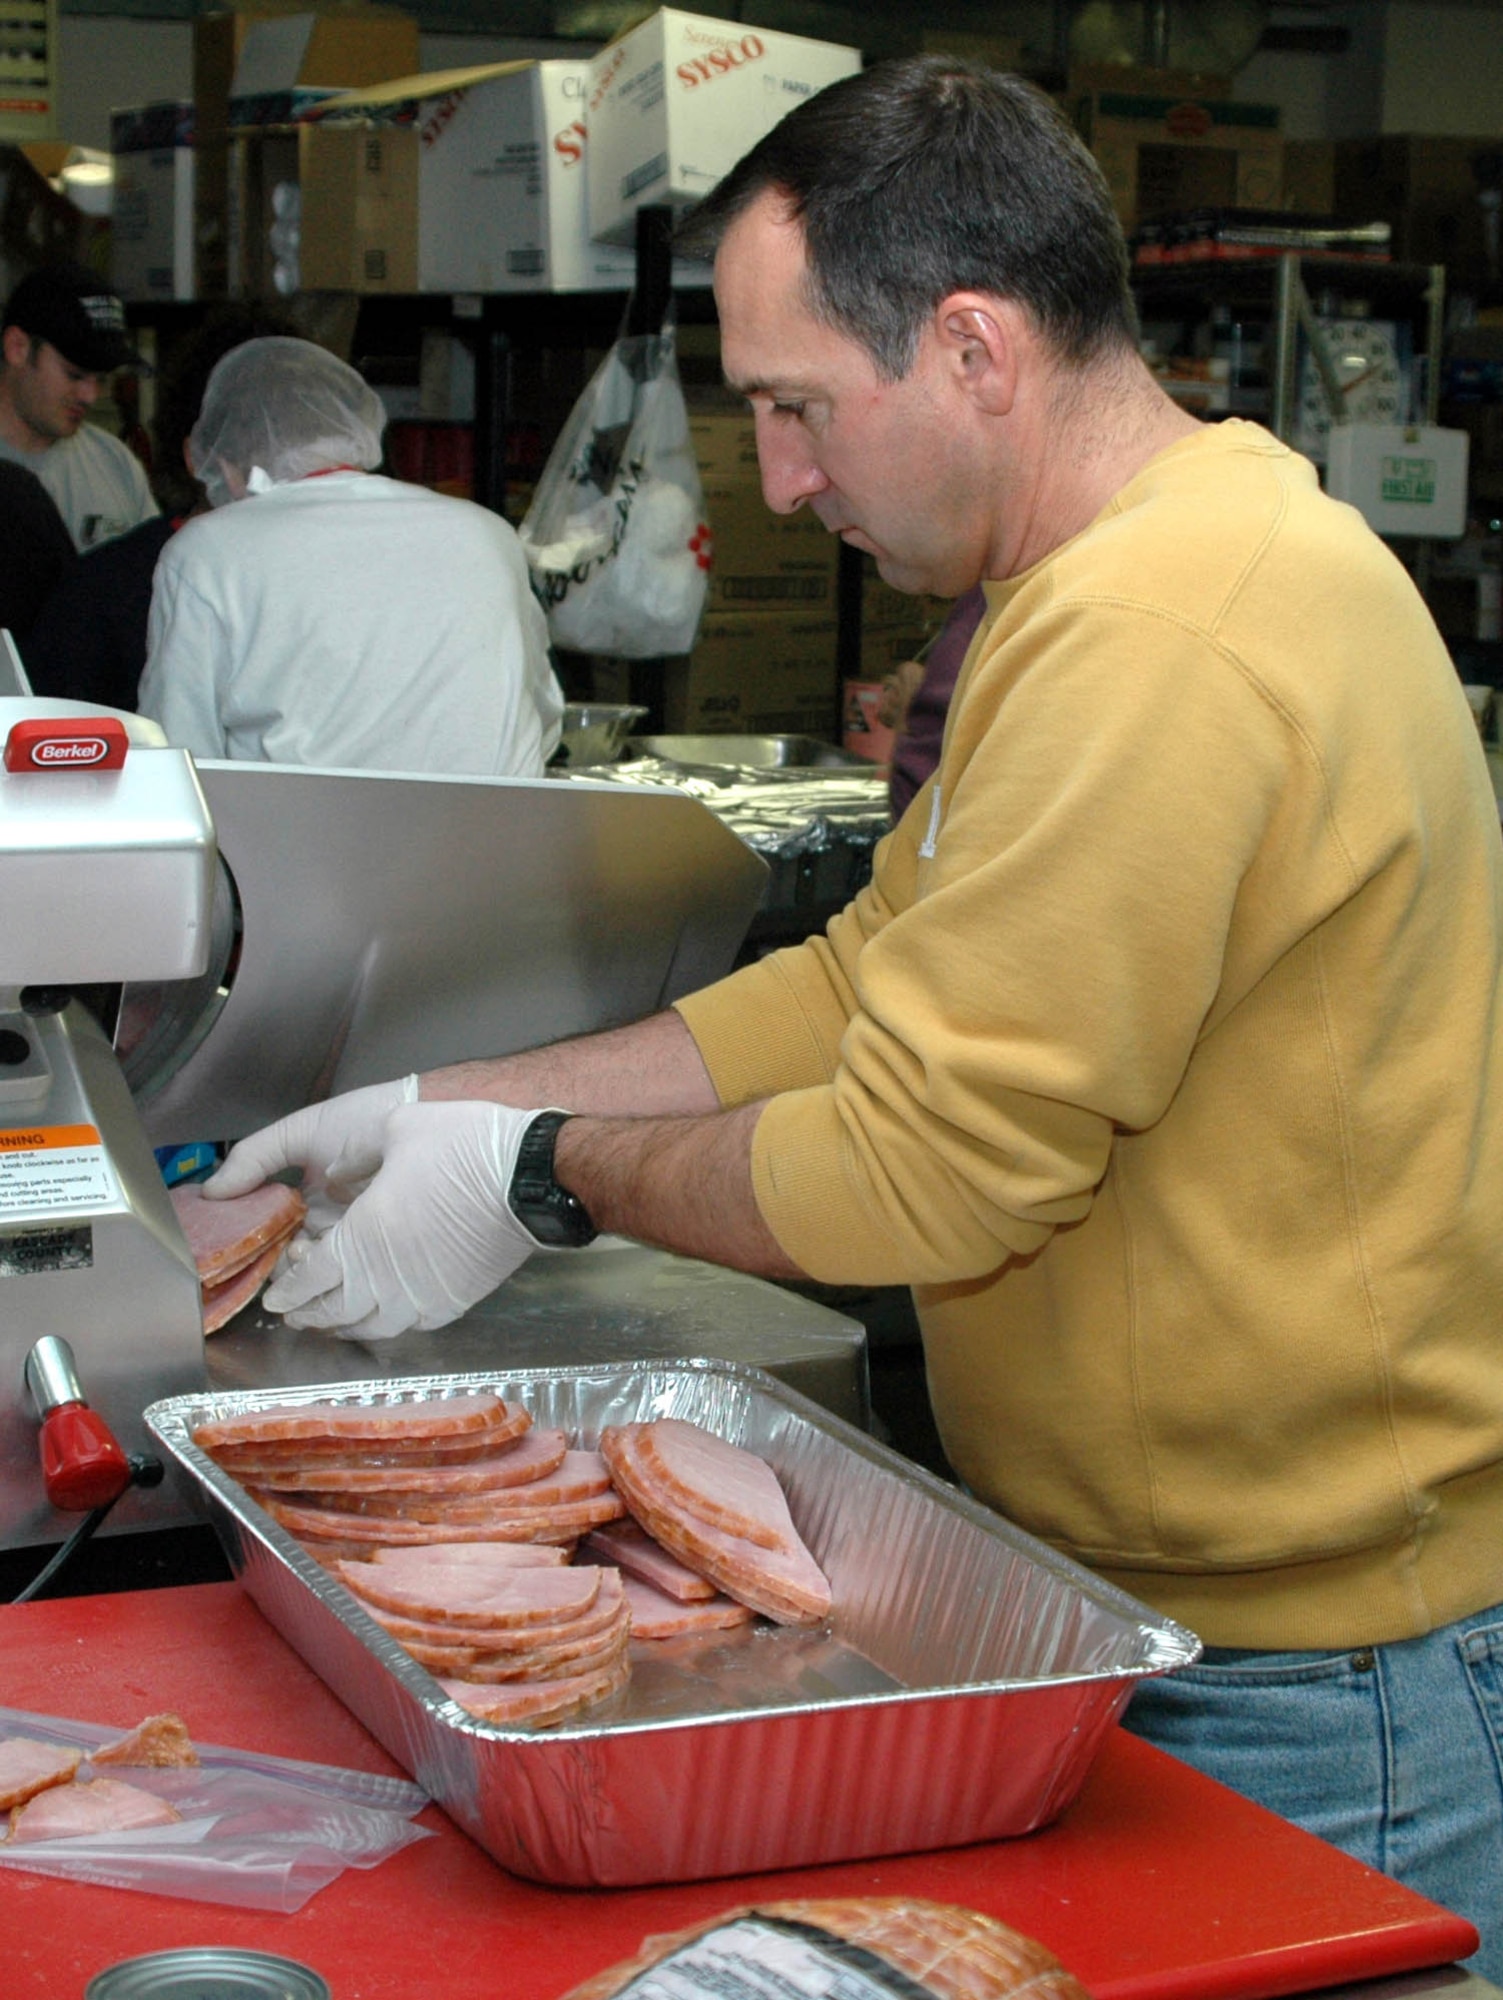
(559, 1220)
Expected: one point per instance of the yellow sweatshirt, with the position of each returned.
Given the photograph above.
(1164, 1058)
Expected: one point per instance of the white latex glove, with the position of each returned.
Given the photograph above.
(431, 1235)
(337, 1144)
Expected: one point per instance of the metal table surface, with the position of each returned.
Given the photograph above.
(613, 1302)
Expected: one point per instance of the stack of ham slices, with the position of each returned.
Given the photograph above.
(47, 1800)
(236, 1243)
(453, 1520)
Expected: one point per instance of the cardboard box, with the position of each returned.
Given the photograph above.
(1426, 188)
(677, 100)
(28, 71)
(894, 625)
(502, 200)
(1310, 178)
(319, 47)
(354, 193)
(754, 675)
(151, 227)
(1161, 153)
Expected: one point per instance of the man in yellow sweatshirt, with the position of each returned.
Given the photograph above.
(1163, 1056)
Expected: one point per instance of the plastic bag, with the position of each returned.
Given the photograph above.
(261, 1833)
(616, 536)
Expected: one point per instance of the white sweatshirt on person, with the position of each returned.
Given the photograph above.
(352, 622)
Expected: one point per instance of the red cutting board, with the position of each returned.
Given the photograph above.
(1156, 1884)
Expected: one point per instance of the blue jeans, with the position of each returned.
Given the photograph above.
(1393, 1753)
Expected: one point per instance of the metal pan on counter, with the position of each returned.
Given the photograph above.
(960, 1691)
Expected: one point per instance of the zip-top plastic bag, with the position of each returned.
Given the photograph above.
(258, 1832)
(616, 536)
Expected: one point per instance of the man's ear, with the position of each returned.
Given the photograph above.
(16, 347)
(981, 336)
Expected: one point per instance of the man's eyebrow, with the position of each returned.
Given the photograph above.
(766, 386)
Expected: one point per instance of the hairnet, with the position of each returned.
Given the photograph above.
(278, 409)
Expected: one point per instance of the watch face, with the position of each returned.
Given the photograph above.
(1371, 359)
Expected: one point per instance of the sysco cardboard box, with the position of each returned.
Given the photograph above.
(675, 102)
(151, 226)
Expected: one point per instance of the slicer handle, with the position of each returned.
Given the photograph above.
(83, 1466)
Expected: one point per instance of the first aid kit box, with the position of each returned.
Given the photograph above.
(675, 102)
(1404, 479)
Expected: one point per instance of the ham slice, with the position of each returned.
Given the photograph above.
(539, 1702)
(716, 1481)
(628, 1545)
(68, 1812)
(561, 1524)
(783, 1581)
(378, 1424)
(543, 1663)
(460, 1594)
(530, 1463)
(28, 1766)
(225, 1236)
(161, 1741)
(221, 1302)
(604, 1613)
(655, 1615)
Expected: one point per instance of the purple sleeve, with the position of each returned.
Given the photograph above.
(916, 751)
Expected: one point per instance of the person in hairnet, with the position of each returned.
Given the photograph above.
(323, 614)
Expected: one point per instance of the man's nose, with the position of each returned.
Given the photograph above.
(87, 388)
(789, 473)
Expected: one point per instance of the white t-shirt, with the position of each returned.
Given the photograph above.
(352, 622)
(97, 484)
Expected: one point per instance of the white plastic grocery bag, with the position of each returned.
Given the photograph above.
(616, 536)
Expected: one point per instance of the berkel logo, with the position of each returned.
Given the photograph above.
(70, 750)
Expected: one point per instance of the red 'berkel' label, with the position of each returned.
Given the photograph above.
(67, 743)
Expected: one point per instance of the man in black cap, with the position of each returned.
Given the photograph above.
(62, 335)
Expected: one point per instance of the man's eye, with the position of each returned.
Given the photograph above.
(787, 409)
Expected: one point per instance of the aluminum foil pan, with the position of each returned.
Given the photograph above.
(961, 1690)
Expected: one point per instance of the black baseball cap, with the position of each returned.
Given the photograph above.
(68, 306)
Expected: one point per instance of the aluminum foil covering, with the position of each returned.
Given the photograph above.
(959, 1692)
(782, 813)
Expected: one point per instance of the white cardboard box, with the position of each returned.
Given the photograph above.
(502, 202)
(501, 194)
(675, 102)
(151, 228)
(1404, 479)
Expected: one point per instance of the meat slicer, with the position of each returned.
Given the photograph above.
(107, 869)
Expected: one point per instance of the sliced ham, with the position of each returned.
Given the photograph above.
(488, 1556)
(68, 1812)
(225, 1236)
(628, 1545)
(462, 1595)
(161, 1741)
(373, 1423)
(543, 1663)
(603, 1613)
(655, 1615)
(222, 1302)
(28, 1766)
(537, 1524)
(531, 1463)
(716, 1481)
(540, 1701)
(785, 1582)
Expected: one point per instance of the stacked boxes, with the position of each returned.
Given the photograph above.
(281, 53)
(764, 661)
(151, 232)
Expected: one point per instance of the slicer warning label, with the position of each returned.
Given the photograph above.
(50, 1170)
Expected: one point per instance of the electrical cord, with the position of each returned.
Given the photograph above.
(144, 1471)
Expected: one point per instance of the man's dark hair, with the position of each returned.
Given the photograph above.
(930, 175)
